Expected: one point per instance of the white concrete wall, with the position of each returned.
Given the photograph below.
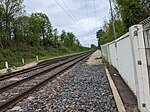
(125, 57)
(125, 62)
(104, 48)
(113, 54)
(105, 53)
(142, 80)
(122, 59)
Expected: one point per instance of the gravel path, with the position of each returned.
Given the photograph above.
(82, 89)
(14, 69)
(95, 59)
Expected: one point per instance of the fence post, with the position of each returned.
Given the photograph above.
(23, 62)
(37, 59)
(6, 65)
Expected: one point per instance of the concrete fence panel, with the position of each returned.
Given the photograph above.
(128, 55)
(122, 59)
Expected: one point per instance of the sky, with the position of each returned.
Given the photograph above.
(82, 17)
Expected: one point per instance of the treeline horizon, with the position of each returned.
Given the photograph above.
(22, 35)
(35, 29)
(126, 13)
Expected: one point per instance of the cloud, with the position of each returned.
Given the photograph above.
(84, 31)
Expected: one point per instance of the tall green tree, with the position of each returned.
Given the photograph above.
(78, 42)
(1, 39)
(107, 35)
(132, 11)
(41, 28)
(22, 30)
(127, 13)
(63, 36)
(55, 38)
(68, 39)
(101, 36)
(146, 4)
(11, 9)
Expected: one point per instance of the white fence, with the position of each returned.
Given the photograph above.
(127, 54)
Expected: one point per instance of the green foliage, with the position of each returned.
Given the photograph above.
(23, 36)
(119, 27)
(104, 60)
(132, 11)
(93, 47)
(101, 36)
(10, 10)
(108, 35)
(146, 4)
(34, 30)
(14, 56)
(127, 13)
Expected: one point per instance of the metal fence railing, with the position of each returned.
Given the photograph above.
(146, 35)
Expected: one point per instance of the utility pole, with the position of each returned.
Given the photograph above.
(114, 30)
(113, 22)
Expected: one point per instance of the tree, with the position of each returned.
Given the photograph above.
(78, 43)
(62, 37)
(107, 35)
(55, 38)
(12, 9)
(69, 39)
(127, 13)
(146, 4)
(24, 36)
(101, 36)
(1, 13)
(132, 11)
(120, 30)
(41, 26)
(93, 46)
(22, 30)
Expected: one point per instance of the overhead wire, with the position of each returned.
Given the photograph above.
(69, 10)
(95, 12)
(88, 14)
(27, 13)
(31, 8)
(36, 12)
(67, 13)
(65, 10)
(72, 13)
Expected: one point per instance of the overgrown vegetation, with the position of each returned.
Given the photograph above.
(127, 13)
(23, 36)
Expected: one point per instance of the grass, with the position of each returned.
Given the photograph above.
(104, 60)
(16, 60)
(98, 58)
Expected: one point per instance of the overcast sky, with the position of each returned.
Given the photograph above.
(82, 20)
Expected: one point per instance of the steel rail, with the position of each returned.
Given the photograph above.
(38, 66)
(35, 75)
(17, 98)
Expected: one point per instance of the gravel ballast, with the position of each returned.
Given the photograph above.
(84, 88)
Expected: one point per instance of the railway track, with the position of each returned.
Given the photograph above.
(40, 65)
(11, 93)
(19, 78)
